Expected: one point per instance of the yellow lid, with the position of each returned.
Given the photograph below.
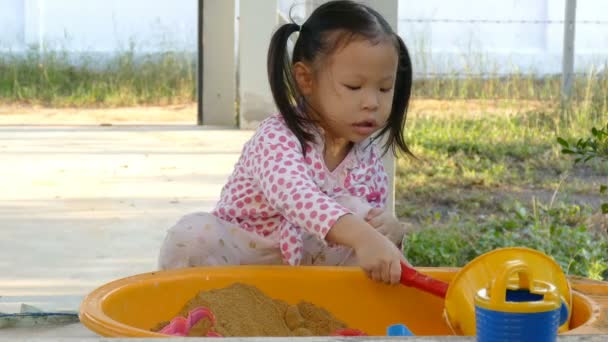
(495, 297)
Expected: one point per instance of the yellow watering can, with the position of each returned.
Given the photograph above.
(481, 271)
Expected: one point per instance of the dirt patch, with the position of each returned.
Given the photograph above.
(36, 115)
(480, 202)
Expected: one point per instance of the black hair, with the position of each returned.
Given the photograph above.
(354, 20)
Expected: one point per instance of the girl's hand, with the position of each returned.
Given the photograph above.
(386, 224)
(379, 258)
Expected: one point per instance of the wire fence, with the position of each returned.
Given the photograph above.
(475, 75)
(501, 21)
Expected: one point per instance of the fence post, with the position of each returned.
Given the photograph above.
(568, 50)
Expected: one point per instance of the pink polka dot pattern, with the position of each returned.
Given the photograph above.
(274, 187)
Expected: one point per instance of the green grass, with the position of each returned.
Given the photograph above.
(50, 78)
(559, 231)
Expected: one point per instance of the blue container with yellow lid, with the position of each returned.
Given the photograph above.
(516, 307)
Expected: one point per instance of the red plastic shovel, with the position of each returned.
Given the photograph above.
(413, 278)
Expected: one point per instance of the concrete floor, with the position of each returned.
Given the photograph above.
(83, 205)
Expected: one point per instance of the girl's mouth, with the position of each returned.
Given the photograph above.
(365, 127)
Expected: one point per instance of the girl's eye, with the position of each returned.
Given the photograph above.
(352, 87)
(385, 90)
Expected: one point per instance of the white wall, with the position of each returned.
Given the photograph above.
(98, 25)
(535, 47)
(11, 22)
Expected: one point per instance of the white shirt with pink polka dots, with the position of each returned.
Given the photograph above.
(274, 187)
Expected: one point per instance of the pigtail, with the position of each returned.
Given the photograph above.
(282, 83)
(403, 87)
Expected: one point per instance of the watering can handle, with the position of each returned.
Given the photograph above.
(413, 278)
(498, 287)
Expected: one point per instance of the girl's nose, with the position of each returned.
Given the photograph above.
(370, 100)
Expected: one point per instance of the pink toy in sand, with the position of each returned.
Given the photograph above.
(180, 326)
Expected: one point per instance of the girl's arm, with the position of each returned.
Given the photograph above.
(286, 179)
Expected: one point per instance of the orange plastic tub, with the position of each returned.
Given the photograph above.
(129, 307)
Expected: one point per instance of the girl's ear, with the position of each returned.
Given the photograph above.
(303, 76)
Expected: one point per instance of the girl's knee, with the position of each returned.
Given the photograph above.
(197, 239)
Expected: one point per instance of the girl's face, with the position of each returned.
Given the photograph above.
(353, 89)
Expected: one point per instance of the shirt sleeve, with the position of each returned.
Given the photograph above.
(286, 179)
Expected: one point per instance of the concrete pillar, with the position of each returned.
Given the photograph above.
(390, 11)
(219, 64)
(258, 20)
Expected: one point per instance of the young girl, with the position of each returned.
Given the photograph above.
(310, 187)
